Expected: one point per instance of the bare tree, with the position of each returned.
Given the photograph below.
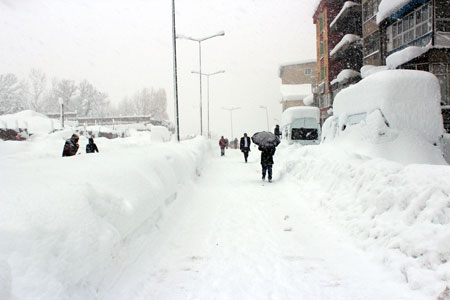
(158, 105)
(12, 94)
(38, 82)
(64, 89)
(91, 101)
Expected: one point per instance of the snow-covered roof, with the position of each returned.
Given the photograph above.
(403, 56)
(389, 7)
(345, 75)
(347, 39)
(298, 112)
(298, 62)
(290, 92)
(346, 6)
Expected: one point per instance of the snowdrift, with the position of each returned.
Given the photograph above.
(400, 214)
(67, 222)
(28, 119)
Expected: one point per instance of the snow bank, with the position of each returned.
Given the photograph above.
(409, 100)
(400, 214)
(368, 70)
(65, 223)
(31, 120)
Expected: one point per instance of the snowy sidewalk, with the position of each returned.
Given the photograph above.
(234, 237)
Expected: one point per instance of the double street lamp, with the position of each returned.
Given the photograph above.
(207, 84)
(231, 117)
(200, 40)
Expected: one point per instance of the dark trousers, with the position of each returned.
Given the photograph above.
(267, 168)
(222, 151)
(245, 154)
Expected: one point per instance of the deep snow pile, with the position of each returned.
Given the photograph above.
(400, 211)
(66, 223)
(31, 120)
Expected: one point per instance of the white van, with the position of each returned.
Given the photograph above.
(301, 124)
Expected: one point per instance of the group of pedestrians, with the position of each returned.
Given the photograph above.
(267, 152)
(71, 146)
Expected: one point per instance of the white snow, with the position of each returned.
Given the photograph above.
(31, 120)
(405, 55)
(309, 100)
(368, 70)
(347, 39)
(291, 92)
(347, 5)
(409, 100)
(293, 113)
(389, 7)
(151, 220)
(298, 62)
(345, 75)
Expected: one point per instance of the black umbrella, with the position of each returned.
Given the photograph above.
(265, 139)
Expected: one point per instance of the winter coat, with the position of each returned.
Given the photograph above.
(242, 147)
(91, 147)
(267, 155)
(70, 147)
(222, 143)
(277, 131)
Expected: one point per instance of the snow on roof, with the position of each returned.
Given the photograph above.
(409, 100)
(345, 75)
(315, 7)
(298, 112)
(298, 62)
(347, 39)
(403, 56)
(34, 122)
(388, 7)
(291, 92)
(346, 6)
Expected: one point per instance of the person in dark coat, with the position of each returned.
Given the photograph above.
(277, 131)
(267, 153)
(91, 147)
(71, 146)
(222, 144)
(245, 146)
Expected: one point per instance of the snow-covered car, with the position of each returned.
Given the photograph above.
(400, 107)
(301, 125)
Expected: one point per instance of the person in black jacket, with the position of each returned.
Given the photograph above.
(267, 153)
(277, 131)
(245, 146)
(71, 146)
(91, 147)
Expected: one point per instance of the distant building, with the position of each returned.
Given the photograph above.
(296, 82)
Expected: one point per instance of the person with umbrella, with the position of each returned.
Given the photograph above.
(266, 142)
(245, 146)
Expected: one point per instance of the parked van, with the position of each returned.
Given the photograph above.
(301, 125)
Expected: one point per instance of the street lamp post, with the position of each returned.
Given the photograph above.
(175, 81)
(267, 115)
(207, 84)
(61, 103)
(231, 117)
(200, 40)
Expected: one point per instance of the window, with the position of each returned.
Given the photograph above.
(371, 44)
(308, 71)
(322, 73)
(412, 29)
(370, 9)
(320, 23)
(321, 49)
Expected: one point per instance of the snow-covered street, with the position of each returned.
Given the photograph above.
(236, 237)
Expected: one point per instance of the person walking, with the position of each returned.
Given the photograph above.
(267, 153)
(222, 144)
(71, 146)
(277, 131)
(245, 146)
(91, 147)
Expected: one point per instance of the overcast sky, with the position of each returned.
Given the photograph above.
(122, 46)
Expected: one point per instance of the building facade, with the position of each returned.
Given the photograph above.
(297, 79)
